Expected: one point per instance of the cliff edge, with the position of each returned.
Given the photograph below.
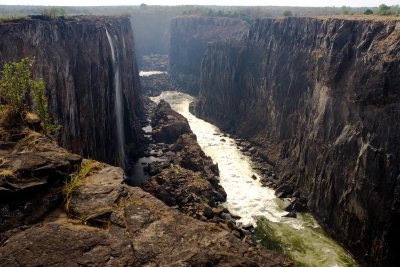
(88, 63)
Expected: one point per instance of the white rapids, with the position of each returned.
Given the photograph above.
(304, 240)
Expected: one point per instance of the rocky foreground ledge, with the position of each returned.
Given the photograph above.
(98, 220)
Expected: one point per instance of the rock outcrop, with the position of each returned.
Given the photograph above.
(187, 177)
(74, 57)
(103, 221)
(322, 97)
(168, 125)
(155, 84)
(33, 170)
(189, 38)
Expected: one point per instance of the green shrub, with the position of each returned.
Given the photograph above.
(17, 87)
(368, 12)
(15, 83)
(384, 10)
(287, 13)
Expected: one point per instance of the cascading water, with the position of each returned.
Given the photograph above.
(301, 238)
(118, 104)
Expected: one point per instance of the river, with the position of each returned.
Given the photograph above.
(301, 238)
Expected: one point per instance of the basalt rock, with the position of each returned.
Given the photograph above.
(189, 38)
(74, 57)
(188, 178)
(153, 85)
(168, 125)
(33, 170)
(321, 96)
(107, 222)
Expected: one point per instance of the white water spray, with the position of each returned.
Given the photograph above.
(118, 104)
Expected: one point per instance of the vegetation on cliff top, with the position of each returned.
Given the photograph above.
(20, 93)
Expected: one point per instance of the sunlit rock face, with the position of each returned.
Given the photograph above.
(322, 97)
(189, 38)
(74, 57)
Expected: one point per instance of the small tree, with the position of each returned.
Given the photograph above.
(53, 12)
(40, 105)
(17, 85)
(16, 82)
(384, 10)
(368, 12)
(287, 13)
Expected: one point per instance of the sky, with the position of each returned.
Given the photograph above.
(338, 3)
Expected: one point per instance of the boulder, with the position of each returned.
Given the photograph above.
(167, 124)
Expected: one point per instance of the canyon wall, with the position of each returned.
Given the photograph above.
(75, 58)
(322, 97)
(190, 36)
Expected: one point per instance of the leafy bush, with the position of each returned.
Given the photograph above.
(287, 13)
(384, 10)
(368, 12)
(17, 87)
(53, 12)
(15, 83)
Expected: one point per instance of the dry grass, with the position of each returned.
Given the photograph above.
(76, 179)
(3, 162)
(9, 117)
(6, 174)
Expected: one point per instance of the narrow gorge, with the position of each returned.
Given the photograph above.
(58, 208)
(267, 142)
(319, 96)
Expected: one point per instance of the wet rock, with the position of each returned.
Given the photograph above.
(297, 205)
(284, 191)
(247, 227)
(291, 214)
(252, 150)
(214, 168)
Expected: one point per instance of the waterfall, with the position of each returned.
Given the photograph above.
(118, 104)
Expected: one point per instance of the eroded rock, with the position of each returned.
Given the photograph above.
(167, 124)
(136, 230)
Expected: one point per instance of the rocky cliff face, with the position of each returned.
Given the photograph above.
(322, 97)
(75, 58)
(189, 38)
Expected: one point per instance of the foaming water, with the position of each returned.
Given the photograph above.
(151, 72)
(118, 108)
(302, 238)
